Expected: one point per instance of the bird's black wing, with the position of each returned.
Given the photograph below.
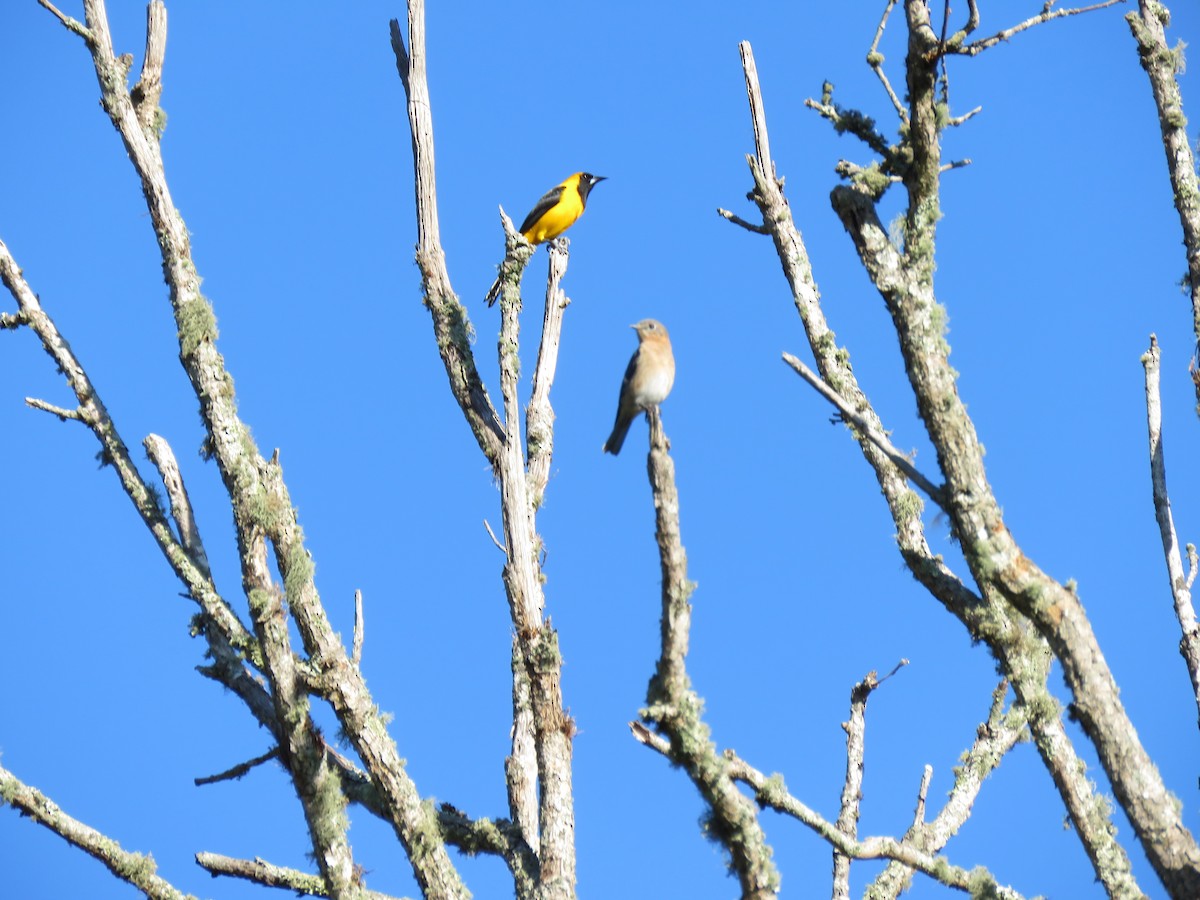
(549, 199)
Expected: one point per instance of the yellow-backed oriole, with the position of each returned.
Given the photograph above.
(553, 214)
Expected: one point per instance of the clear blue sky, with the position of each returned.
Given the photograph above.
(288, 154)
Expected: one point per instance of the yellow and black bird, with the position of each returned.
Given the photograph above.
(553, 214)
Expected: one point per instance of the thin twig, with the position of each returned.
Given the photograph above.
(62, 412)
(922, 796)
(492, 534)
(738, 220)
(12, 321)
(1046, 15)
(356, 652)
(875, 61)
(72, 24)
(955, 121)
(260, 871)
(239, 770)
(955, 164)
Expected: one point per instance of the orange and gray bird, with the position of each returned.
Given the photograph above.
(557, 211)
(648, 379)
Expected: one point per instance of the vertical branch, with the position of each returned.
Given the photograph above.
(1181, 584)
(163, 457)
(758, 115)
(520, 768)
(134, 868)
(537, 642)
(1148, 26)
(674, 707)
(148, 90)
(539, 417)
(847, 820)
(451, 326)
(537, 688)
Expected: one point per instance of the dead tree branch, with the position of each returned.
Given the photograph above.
(1161, 64)
(1189, 644)
(673, 707)
(134, 868)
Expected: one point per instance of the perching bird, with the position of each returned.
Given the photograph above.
(648, 379)
(553, 214)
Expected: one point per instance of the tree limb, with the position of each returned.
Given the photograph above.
(1189, 644)
(1161, 64)
(955, 45)
(898, 459)
(262, 872)
(135, 868)
(674, 707)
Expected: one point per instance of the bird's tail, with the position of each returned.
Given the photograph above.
(493, 293)
(616, 440)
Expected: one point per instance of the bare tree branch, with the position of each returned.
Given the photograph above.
(898, 459)
(238, 771)
(994, 738)
(539, 415)
(540, 663)
(738, 220)
(163, 457)
(148, 90)
(673, 706)
(70, 24)
(988, 617)
(62, 412)
(848, 810)
(1189, 644)
(1161, 64)
(916, 851)
(875, 61)
(92, 412)
(451, 325)
(134, 868)
(996, 561)
(1046, 15)
(264, 516)
(542, 730)
(253, 487)
(356, 652)
(262, 872)
(12, 321)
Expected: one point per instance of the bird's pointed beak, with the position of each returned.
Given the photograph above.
(596, 179)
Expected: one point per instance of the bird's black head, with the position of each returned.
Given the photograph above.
(586, 182)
